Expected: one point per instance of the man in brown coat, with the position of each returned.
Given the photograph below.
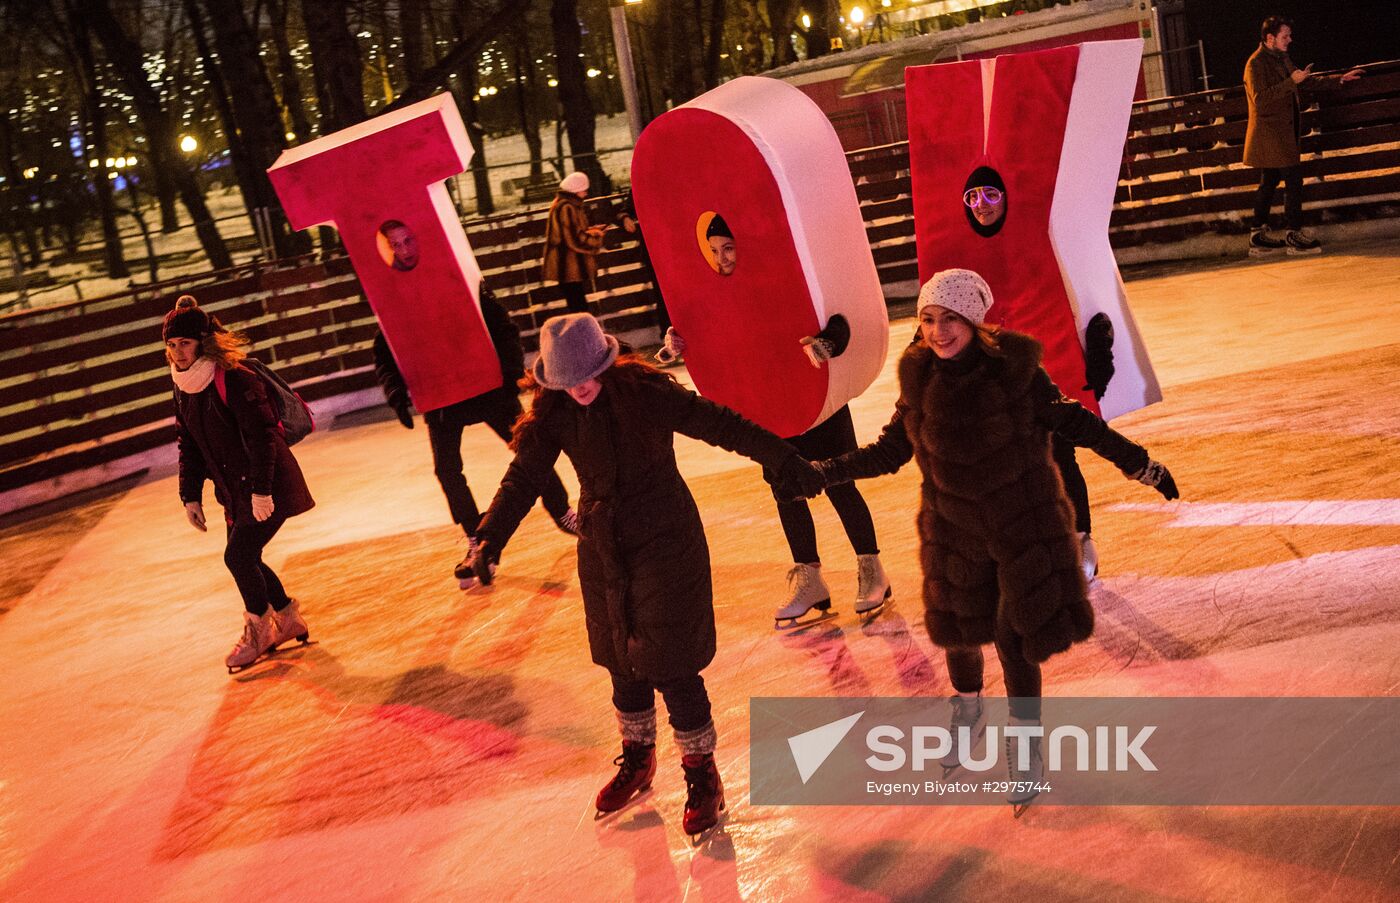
(1271, 85)
(571, 245)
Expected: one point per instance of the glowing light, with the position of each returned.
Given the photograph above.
(857, 15)
(594, 73)
(806, 22)
(188, 144)
(553, 82)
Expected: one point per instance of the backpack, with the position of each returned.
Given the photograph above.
(294, 418)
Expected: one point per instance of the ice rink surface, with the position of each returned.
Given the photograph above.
(435, 745)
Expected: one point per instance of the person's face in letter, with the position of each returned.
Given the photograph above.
(405, 247)
(726, 257)
(988, 204)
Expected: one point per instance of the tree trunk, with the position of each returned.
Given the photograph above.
(125, 57)
(336, 60)
(714, 45)
(525, 99)
(411, 18)
(95, 122)
(287, 71)
(255, 111)
(218, 90)
(783, 22)
(680, 41)
(481, 176)
(573, 93)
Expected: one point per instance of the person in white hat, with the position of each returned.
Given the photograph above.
(571, 245)
(643, 562)
(1001, 558)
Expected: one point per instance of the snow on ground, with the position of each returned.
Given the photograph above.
(434, 745)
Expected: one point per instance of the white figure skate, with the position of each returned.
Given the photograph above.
(807, 592)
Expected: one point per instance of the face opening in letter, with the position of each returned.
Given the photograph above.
(985, 201)
(398, 246)
(717, 243)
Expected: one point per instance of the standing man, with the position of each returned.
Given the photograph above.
(1271, 85)
(497, 408)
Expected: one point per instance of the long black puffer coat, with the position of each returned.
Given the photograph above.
(239, 448)
(643, 563)
(997, 538)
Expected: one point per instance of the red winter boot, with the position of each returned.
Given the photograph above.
(704, 793)
(635, 769)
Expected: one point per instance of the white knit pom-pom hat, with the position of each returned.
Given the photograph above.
(962, 291)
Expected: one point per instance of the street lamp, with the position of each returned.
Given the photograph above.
(188, 144)
(623, 46)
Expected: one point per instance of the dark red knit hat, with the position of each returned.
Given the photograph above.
(187, 321)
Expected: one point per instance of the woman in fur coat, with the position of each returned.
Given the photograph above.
(643, 563)
(234, 442)
(998, 546)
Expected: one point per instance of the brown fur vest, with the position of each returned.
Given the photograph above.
(999, 552)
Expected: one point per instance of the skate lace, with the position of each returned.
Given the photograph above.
(866, 575)
(627, 767)
(1012, 760)
(965, 712)
(800, 576)
(697, 786)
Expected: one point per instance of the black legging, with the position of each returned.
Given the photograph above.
(1292, 178)
(575, 296)
(257, 582)
(1022, 677)
(834, 436)
(687, 702)
(1073, 478)
(445, 436)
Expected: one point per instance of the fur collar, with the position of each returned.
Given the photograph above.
(1014, 369)
(197, 378)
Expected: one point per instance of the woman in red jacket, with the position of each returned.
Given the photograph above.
(234, 442)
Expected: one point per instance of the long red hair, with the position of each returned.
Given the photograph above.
(626, 367)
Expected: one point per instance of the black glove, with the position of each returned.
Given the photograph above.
(405, 415)
(798, 479)
(1157, 476)
(1098, 354)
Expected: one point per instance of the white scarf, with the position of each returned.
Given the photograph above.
(196, 378)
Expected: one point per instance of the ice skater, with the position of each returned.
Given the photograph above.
(497, 408)
(807, 591)
(230, 436)
(1000, 556)
(643, 562)
(571, 245)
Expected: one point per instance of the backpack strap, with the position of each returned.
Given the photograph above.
(221, 385)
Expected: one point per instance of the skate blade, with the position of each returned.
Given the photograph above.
(871, 612)
(1312, 252)
(300, 643)
(700, 837)
(603, 818)
(802, 622)
(1257, 253)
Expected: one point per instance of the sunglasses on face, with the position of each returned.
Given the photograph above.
(989, 194)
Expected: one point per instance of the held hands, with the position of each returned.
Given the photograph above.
(194, 512)
(262, 507)
(672, 348)
(1353, 75)
(799, 479)
(405, 416)
(1159, 478)
(819, 351)
(1301, 75)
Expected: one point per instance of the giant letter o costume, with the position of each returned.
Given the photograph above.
(759, 153)
(1052, 123)
(392, 167)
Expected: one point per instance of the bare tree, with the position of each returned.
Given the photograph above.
(573, 93)
(125, 56)
(287, 75)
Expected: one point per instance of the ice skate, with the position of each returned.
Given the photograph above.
(287, 625)
(635, 769)
(1024, 782)
(466, 579)
(967, 712)
(704, 796)
(567, 522)
(1089, 558)
(1301, 243)
(256, 640)
(1262, 244)
(807, 591)
(872, 586)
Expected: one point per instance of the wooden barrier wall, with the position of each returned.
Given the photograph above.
(85, 384)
